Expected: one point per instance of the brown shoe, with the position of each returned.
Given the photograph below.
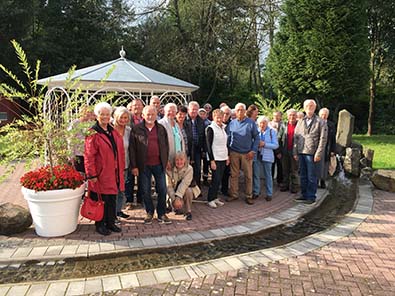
(231, 198)
(249, 201)
(268, 198)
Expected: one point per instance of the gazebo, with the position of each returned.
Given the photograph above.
(123, 80)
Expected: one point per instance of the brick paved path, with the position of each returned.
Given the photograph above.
(361, 264)
(204, 218)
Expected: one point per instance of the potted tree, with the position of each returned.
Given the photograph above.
(54, 189)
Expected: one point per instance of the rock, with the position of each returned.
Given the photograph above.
(14, 219)
(384, 180)
(363, 162)
(351, 161)
(369, 154)
(345, 129)
(366, 173)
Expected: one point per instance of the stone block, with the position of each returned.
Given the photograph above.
(384, 180)
(345, 129)
(14, 219)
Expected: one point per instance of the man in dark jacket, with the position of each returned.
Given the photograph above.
(149, 152)
(195, 124)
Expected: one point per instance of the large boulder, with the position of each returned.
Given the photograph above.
(384, 180)
(14, 219)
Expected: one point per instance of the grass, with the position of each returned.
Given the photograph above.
(384, 149)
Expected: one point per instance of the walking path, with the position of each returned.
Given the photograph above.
(355, 257)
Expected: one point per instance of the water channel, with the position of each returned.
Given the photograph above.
(340, 201)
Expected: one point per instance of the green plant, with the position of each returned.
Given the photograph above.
(42, 133)
(282, 104)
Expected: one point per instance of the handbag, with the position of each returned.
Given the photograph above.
(92, 209)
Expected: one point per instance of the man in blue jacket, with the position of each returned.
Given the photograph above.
(243, 143)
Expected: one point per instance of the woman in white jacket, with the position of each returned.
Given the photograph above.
(265, 158)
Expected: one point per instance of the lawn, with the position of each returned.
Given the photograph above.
(384, 149)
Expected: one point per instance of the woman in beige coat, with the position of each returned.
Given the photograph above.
(180, 189)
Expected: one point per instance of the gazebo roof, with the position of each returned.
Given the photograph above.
(126, 74)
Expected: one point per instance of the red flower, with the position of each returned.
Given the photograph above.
(63, 177)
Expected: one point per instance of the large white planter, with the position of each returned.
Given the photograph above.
(54, 212)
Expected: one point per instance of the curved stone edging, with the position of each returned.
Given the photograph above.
(186, 272)
(23, 254)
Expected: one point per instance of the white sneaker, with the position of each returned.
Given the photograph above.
(218, 202)
(212, 204)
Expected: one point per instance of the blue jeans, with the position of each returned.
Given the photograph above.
(129, 185)
(308, 176)
(262, 168)
(160, 185)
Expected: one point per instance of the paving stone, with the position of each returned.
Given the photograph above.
(197, 270)
(162, 240)
(149, 242)
(221, 265)
(135, 243)
(4, 290)
(54, 250)
(38, 252)
(272, 254)
(111, 283)
(207, 268)
(69, 250)
(248, 260)
(93, 286)
(146, 278)
(241, 229)
(94, 248)
(183, 238)
(179, 274)
(218, 232)
(229, 230)
(192, 274)
(260, 258)
(37, 289)
(129, 280)
(6, 253)
(121, 244)
(163, 276)
(104, 247)
(83, 249)
(196, 236)
(58, 288)
(207, 234)
(75, 288)
(235, 262)
(22, 252)
(18, 290)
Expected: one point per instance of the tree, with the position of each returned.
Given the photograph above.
(381, 16)
(321, 51)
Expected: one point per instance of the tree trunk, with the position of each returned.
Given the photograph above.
(372, 97)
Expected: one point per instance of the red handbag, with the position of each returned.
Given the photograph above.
(92, 209)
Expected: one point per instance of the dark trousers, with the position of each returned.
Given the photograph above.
(225, 180)
(290, 171)
(216, 180)
(206, 165)
(197, 165)
(109, 208)
(160, 184)
(278, 165)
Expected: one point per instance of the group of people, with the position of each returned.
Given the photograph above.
(137, 144)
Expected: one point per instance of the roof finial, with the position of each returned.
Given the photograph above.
(122, 53)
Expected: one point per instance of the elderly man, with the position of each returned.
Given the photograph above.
(195, 124)
(243, 143)
(149, 152)
(289, 164)
(330, 147)
(155, 101)
(309, 144)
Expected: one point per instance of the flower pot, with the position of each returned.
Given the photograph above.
(54, 212)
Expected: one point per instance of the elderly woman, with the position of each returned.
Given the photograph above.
(104, 164)
(121, 125)
(179, 189)
(174, 134)
(265, 157)
(330, 147)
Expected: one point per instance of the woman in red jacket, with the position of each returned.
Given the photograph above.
(104, 164)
